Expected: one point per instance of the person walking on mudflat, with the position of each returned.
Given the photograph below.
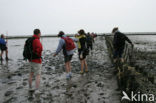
(3, 47)
(82, 50)
(33, 52)
(119, 44)
(68, 46)
(90, 41)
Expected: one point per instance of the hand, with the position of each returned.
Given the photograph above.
(54, 55)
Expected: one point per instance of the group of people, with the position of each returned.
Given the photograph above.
(33, 50)
(84, 43)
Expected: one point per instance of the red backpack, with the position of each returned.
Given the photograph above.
(69, 43)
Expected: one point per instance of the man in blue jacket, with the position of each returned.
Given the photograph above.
(3, 47)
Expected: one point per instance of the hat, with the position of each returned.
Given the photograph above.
(60, 34)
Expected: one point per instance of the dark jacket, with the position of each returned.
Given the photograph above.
(119, 40)
(83, 42)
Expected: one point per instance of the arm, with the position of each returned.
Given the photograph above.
(75, 39)
(128, 40)
(59, 47)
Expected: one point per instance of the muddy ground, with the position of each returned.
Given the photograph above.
(97, 86)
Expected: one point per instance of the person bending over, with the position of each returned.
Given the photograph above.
(68, 46)
(119, 44)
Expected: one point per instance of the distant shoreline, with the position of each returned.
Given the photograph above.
(99, 34)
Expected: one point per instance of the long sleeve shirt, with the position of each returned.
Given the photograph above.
(119, 40)
(61, 46)
(37, 48)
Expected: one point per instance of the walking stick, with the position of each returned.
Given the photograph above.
(7, 38)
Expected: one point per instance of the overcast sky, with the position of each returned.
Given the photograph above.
(20, 17)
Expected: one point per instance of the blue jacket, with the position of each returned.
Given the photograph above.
(2, 41)
(61, 46)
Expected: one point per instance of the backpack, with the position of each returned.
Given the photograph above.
(89, 39)
(28, 50)
(84, 48)
(69, 43)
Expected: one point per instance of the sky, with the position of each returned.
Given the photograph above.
(21, 17)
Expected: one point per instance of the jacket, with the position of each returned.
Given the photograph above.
(82, 42)
(37, 48)
(2, 41)
(119, 40)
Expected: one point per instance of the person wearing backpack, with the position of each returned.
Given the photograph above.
(33, 52)
(90, 41)
(82, 50)
(68, 46)
(3, 47)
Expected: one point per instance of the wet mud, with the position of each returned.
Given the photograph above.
(99, 85)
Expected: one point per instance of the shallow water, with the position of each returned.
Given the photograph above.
(16, 46)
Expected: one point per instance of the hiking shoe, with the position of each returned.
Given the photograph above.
(67, 76)
(113, 65)
(81, 72)
(31, 90)
(86, 71)
(70, 75)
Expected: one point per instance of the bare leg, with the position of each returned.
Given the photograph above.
(1, 55)
(6, 54)
(30, 79)
(122, 60)
(82, 65)
(38, 81)
(67, 67)
(86, 66)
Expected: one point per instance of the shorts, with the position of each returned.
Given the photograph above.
(118, 53)
(67, 58)
(3, 47)
(83, 54)
(35, 68)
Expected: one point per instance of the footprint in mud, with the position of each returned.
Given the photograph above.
(31, 95)
(8, 93)
(70, 84)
